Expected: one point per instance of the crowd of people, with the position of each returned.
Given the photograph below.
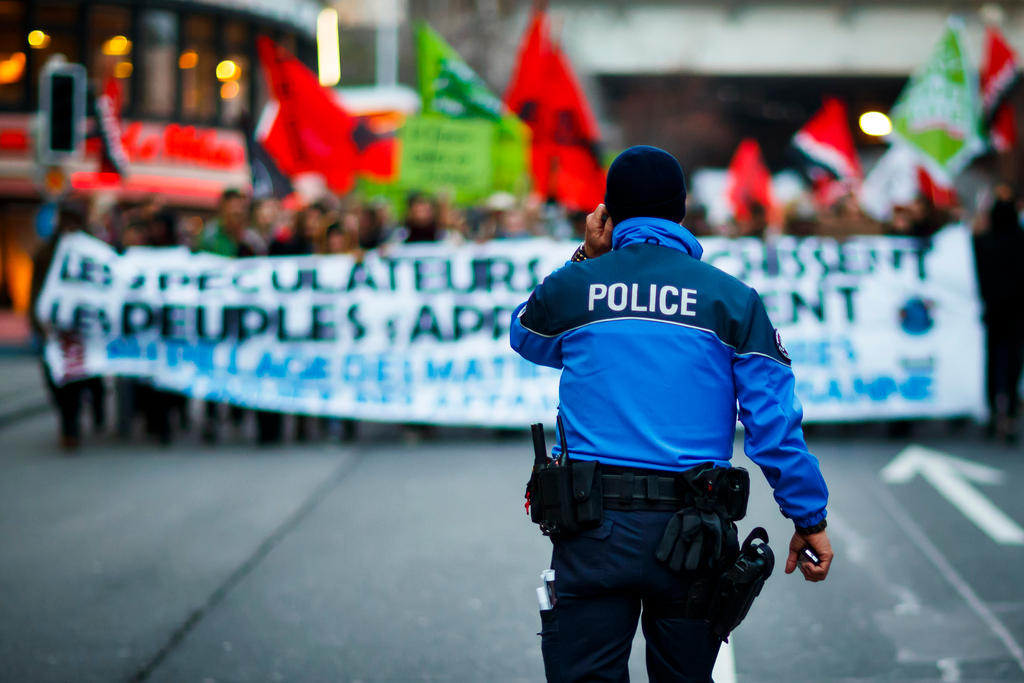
(241, 227)
(332, 225)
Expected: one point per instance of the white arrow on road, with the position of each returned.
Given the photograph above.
(952, 477)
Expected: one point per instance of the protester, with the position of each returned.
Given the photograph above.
(514, 225)
(266, 218)
(421, 224)
(306, 237)
(342, 237)
(157, 405)
(846, 219)
(228, 235)
(374, 225)
(68, 392)
(999, 253)
(925, 218)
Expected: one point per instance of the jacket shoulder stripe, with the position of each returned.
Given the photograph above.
(758, 353)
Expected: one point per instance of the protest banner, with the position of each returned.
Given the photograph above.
(447, 155)
(878, 327)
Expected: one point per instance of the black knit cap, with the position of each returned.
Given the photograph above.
(645, 181)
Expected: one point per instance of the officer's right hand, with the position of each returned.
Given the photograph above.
(821, 546)
(598, 238)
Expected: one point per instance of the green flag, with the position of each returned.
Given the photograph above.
(939, 112)
(447, 85)
(450, 88)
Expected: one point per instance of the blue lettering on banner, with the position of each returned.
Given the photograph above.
(878, 389)
(821, 352)
(316, 368)
(269, 366)
(198, 355)
(438, 370)
(124, 348)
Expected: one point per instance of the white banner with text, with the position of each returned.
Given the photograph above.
(878, 327)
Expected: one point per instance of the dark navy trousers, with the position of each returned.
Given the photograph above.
(606, 579)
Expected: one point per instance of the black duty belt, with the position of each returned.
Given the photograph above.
(639, 490)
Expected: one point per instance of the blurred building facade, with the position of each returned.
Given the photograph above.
(185, 78)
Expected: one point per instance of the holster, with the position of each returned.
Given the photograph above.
(741, 583)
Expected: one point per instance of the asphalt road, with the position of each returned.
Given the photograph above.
(386, 560)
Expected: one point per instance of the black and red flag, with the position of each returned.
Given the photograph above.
(267, 178)
(113, 157)
(1000, 71)
(306, 130)
(826, 145)
(565, 151)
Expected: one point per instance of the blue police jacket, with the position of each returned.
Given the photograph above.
(656, 350)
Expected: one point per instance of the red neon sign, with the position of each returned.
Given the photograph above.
(182, 144)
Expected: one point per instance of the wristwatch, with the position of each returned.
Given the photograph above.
(580, 254)
(808, 530)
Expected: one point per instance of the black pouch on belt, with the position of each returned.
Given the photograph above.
(703, 535)
(565, 497)
(551, 502)
(741, 583)
(587, 493)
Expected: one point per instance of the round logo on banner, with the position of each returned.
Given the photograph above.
(916, 317)
(780, 347)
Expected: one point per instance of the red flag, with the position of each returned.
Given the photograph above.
(545, 94)
(827, 141)
(941, 196)
(1002, 130)
(748, 181)
(1000, 69)
(306, 130)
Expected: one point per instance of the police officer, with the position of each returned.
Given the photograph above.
(656, 350)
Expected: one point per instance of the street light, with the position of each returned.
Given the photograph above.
(875, 123)
(188, 59)
(328, 47)
(117, 46)
(228, 70)
(38, 40)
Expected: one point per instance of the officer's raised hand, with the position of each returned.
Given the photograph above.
(821, 547)
(598, 238)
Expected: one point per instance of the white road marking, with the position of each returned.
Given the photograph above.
(952, 478)
(950, 669)
(725, 665)
(938, 560)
